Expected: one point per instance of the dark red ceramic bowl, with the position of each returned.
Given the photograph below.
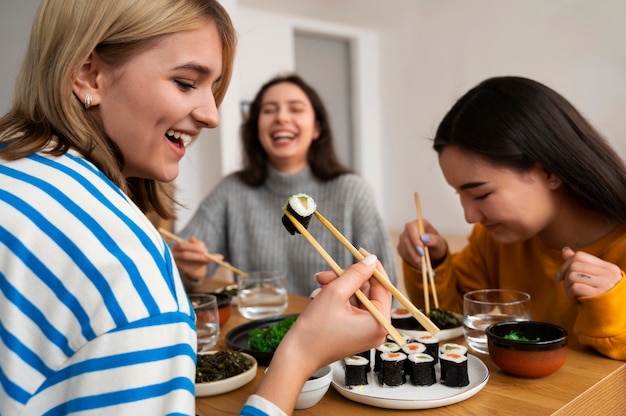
(527, 348)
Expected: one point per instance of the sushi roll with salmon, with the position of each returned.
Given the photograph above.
(356, 370)
(302, 207)
(409, 349)
(432, 345)
(453, 370)
(392, 369)
(422, 369)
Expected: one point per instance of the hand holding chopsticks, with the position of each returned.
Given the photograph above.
(171, 236)
(427, 268)
(417, 314)
(359, 294)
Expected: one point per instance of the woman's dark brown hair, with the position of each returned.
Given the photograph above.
(517, 122)
(322, 157)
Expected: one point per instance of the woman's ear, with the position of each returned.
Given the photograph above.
(317, 131)
(85, 85)
(553, 180)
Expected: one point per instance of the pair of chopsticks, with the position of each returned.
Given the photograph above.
(427, 268)
(213, 258)
(423, 319)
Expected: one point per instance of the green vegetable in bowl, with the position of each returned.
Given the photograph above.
(444, 319)
(221, 365)
(516, 336)
(267, 339)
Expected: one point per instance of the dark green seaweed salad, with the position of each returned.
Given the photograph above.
(516, 336)
(267, 339)
(443, 319)
(221, 365)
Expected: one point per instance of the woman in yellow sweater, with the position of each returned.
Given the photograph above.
(548, 197)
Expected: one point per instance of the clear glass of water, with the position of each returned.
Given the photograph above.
(484, 307)
(262, 294)
(207, 319)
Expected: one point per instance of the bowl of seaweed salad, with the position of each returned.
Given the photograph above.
(260, 338)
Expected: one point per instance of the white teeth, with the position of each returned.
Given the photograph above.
(278, 136)
(184, 137)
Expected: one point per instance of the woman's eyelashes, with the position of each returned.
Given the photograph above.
(184, 85)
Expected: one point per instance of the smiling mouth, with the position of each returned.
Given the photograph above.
(181, 139)
(283, 136)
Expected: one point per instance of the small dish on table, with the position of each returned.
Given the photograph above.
(212, 388)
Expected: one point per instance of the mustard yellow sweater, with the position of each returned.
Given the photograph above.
(531, 266)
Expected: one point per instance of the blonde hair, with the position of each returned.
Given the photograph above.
(64, 34)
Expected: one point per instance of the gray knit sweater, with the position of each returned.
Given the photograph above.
(244, 224)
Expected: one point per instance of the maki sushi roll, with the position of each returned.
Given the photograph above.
(357, 368)
(407, 338)
(410, 349)
(402, 319)
(301, 206)
(392, 369)
(381, 349)
(432, 345)
(367, 354)
(455, 348)
(422, 369)
(453, 370)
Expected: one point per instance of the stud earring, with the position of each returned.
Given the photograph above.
(87, 101)
(552, 183)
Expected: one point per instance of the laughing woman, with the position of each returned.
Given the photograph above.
(288, 149)
(94, 318)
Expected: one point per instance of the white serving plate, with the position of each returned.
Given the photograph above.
(443, 335)
(213, 388)
(408, 396)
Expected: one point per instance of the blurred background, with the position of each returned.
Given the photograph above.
(388, 71)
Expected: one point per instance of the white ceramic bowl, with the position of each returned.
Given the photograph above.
(315, 388)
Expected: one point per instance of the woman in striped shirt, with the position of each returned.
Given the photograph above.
(94, 318)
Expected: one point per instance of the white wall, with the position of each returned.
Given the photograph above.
(432, 51)
(427, 53)
(440, 49)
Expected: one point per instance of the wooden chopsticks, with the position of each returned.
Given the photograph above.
(417, 314)
(217, 260)
(427, 268)
(398, 338)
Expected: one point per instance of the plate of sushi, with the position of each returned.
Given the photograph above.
(416, 376)
(450, 323)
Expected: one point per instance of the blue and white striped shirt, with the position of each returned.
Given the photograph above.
(93, 316)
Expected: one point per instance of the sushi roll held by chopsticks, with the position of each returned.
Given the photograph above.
(302, 207)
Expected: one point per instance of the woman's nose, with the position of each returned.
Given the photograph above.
(207, 114)
(471, 212)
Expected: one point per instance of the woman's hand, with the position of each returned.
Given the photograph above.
(191, 259)
(329, 329)
(587, 275)
(411, 244)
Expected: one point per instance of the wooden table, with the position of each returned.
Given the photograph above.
(587, 384)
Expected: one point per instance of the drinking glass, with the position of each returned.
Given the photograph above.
(207, 319)
(484, 307)
(262, 294)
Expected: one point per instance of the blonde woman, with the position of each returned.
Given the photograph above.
(94, 318)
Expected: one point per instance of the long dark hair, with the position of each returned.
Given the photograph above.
(322, 157)
(517, 122)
